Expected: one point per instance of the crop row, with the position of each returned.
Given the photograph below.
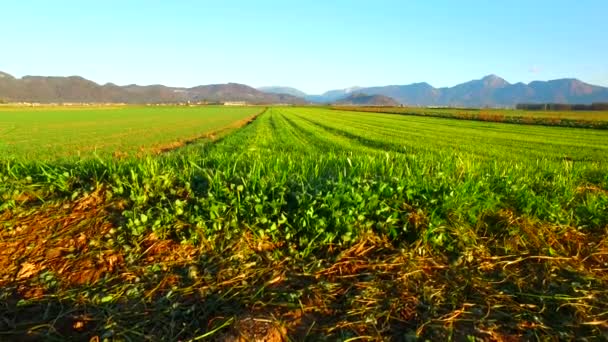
(587, 119)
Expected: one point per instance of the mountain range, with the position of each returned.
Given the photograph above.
(283, 90)
(360, 99)
(490, 91)
(77, 89)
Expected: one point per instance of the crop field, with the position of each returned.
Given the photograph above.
(312, 224)
(57, 132)
(588, 119)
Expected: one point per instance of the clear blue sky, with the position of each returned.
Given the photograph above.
(312, 45)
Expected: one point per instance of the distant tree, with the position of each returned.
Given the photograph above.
(600, 106)
(530, 106)
(561, 106)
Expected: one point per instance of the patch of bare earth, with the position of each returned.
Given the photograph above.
(591, 188)
(58, 238)
(254, 329)
(68, 239)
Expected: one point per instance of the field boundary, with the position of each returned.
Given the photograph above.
(484, 117)
(211, 135)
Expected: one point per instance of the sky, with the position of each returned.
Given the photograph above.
(313, 45)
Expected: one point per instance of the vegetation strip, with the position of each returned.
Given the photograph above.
(213, 135)
(595, 120)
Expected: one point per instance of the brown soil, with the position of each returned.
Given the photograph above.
(255, 329)
(58, 238)
(69, 240)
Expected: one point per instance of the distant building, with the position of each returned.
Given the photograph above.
(235, 103)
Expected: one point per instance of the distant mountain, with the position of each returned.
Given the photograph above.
(327, 97)
(488, 91)
(416, 93)
(283, 90)
(332, 95)
(5, 75)
(238, 92)
(360, 99)
(77, 89)
(474, 93)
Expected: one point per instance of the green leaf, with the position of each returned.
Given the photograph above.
(107, 299)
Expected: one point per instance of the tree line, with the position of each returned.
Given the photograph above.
(562, 106)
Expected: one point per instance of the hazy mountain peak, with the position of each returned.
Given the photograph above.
(352, 89)
(494, 81)
(421, 85)
(5, 75)
(360, 99)
(341, 92)
(283, 90)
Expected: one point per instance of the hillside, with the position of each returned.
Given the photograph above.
(494, 91)
(77, 89)
(283, 90)
(360, 99)
(332, 95)
(491, 91)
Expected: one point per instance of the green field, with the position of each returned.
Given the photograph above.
(314, 224)
(588, 119)
(54, 132)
